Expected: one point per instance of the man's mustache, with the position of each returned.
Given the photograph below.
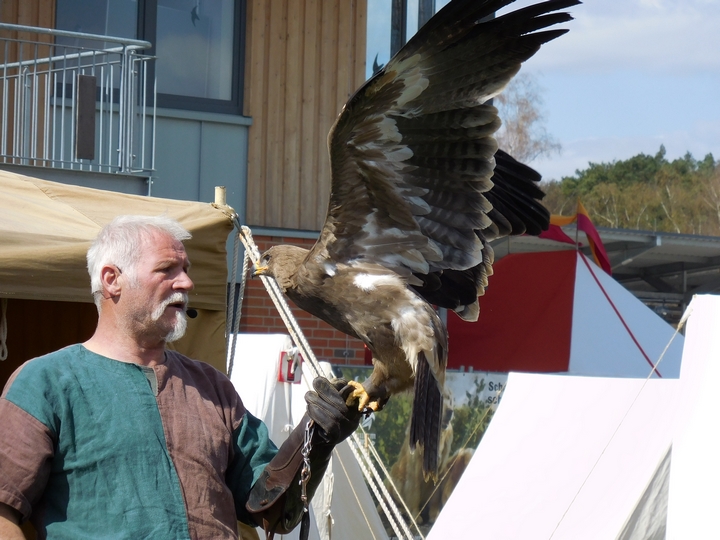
(175, 298)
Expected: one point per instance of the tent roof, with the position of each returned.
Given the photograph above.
(695, 473)
(47, 227)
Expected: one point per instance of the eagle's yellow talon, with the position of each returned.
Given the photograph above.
(362, 397)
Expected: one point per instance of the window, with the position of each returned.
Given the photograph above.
(198, 44)
(199, 58)
(197, 39)
(109, 18)
(391, 25)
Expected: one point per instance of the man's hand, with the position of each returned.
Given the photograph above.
(326, 406)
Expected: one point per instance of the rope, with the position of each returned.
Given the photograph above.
(384, 470)
(386, 495)
(684, 318)
(3, 329)
(276, 295)
(278, 299)
(230, 350)
(383, 502)
(237, 312)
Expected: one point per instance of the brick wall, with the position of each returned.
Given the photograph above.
(260, 316)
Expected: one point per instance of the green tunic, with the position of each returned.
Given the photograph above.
(97, 448)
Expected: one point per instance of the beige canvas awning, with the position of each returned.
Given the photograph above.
(47, 227)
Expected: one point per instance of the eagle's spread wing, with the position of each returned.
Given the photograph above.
(419, 189)
(413, 154)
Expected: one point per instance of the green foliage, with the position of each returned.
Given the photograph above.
(471, 419)
(645, 192)
(390, 426)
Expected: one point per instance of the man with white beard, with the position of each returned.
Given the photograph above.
(119, 437)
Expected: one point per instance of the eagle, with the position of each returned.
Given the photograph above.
(419, 190)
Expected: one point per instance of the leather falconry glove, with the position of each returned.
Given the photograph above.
(327, 407)
(275, 499)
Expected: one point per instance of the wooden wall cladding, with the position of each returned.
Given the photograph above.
(28, 12)
(39, 13)
(304, 59)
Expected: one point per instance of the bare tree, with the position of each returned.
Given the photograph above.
(523, 132)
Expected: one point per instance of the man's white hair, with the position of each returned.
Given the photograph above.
(120, 243)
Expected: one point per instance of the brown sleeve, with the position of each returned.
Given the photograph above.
(26, 448)
(275, 499)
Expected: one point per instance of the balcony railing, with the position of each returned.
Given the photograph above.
(76, 101)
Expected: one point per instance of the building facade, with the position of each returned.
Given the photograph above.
(234, 93)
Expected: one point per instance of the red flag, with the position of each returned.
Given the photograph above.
(584, 224)
(596, 246)
(554, 232)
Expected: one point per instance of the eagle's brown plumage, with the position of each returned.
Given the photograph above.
(419, 189)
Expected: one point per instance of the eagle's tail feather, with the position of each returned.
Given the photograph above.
(426, 420)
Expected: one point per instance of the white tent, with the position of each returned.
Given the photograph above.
(342, 507)
(695, 473)
(570, 457)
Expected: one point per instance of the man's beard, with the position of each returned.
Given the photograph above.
(180, 323)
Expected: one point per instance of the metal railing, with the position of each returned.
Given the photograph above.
(71, 101)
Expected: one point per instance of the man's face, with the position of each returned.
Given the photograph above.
(157, 298)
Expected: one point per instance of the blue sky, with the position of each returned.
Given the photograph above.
(629, 76)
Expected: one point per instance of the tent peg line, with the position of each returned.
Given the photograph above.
(367, 467)
(355, 494)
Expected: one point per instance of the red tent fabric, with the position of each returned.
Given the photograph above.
(525, 317)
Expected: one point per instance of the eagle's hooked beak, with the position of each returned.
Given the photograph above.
(259, 270)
